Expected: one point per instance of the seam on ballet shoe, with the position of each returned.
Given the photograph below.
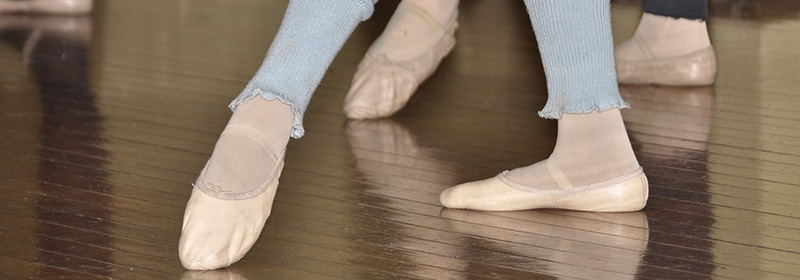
(219, 192)
(249, 132)
(421, 12)
(595, 186)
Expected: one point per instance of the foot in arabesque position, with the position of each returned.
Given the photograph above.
(416, 39)
(671, 46)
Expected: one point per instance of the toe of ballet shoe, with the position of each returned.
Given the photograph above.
(379, 91)
(449, 200)
(216, 233)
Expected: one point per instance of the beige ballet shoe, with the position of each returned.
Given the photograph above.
(382, 84)
(621, 194)
(667, 51)
(220, 226)
(216, 232)
(606, 245)
(64, 7)
(697, 68)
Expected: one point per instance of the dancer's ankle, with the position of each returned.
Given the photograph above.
(590, 148)
(250, 149)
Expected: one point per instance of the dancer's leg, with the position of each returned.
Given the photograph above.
(592, 167)
(233, 195)
(671, 46)
(416, 39)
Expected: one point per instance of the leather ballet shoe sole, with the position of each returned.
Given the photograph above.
(55, 7)
(217, 233)
(381, 87)
(697, 68)
(621, 194)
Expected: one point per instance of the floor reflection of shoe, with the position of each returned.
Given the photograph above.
(389, 73)
(224, 274)
(384, 143)
(679, 117)
(71, 7)
(602, 245)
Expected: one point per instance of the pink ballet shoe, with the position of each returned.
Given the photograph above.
(383, 85)
(621, 194)
(219, 226)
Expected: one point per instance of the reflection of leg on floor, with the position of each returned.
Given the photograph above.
(670, 127)
(418, 36)
(670, 47)
(680, 116)
(384, 141)
(71, 158)
(592, 167)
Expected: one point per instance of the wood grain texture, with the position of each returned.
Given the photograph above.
(106, 121)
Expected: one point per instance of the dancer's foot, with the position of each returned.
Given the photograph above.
(68, 7)
(592, 168)
(233, 195)
(667, 51)
(418, 36)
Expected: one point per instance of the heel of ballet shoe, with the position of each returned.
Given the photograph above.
(624, 194)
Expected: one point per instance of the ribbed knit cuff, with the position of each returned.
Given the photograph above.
(311, 34)
(577, 49)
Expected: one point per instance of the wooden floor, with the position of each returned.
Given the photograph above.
(105, 122)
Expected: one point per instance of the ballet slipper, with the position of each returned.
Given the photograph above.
(620, 194)
(667, 51)
(389, 74)
(217, 232)
(65, 7)
(223, 220)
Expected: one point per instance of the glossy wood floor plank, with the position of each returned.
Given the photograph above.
(106, 120)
